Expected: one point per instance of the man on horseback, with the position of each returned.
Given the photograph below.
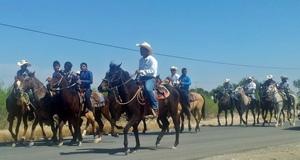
(86, 79)
(228, 88)
(185, 83)
(24, 72)
(147, 72)
(69, 74)
(174, 77)
(250, 89)
(284, 86)
(266, 84)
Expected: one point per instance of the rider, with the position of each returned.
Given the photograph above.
(185, 83)
(267, 83)
(228, 88)
(69, 74)
(56, 68)
(174, 77)
(24, 72)
(86, 79)
(250, 88)
(285, 86)
(147, 72)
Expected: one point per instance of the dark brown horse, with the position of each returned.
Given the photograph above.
(127, 89)
(71, 110)
(266, 104)
(223, 105)
(42, 104)
(17, 108)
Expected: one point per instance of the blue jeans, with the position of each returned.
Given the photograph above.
(149, 86)
(186, 94)
(88, 93)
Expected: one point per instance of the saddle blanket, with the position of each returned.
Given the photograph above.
(97, 99)
(161, 92)
(192, 97)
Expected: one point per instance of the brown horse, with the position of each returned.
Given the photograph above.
(72, 110)
(128, 91)
(197, 109)
(42, 104)
(17, 108)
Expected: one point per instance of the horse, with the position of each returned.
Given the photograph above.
(280, 104)
(245, 104)
(197, 109)
(132, 102)
(42, 105)
(223, 105)
(266, 104)
(16, 107)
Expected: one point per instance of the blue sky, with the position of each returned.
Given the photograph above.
(260, 33)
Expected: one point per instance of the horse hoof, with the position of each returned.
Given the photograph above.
(13, 145)
(157, 145)
(173, 147)
(126, 152)
(22, 140)
(294, 124)
(134, 151)
(60, 144)
(45, 139)
(79, 143)
(31, 144)
(83, 133)
(276, 125)
(169, 131)
(97, 140)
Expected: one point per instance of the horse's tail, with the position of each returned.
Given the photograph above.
(203, 108)
(184, 103)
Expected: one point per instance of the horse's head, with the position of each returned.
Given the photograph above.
(27, 83)
(216, 96)
(167, 81)
(112, 78)
(271, 89)
(56, 81)
(17, 90)
(239, 91)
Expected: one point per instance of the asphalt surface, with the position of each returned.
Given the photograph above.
(211, 141)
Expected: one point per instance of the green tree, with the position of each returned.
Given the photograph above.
(297, 85)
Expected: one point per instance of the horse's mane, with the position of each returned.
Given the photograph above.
(114, 67)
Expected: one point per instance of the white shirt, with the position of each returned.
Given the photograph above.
(175, 79)
(252, 87)
(148, 66)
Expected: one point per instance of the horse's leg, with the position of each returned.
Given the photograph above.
(165, 124)
(25, 128)
(219, 111)
(271, 115)
(295, 113)
(43, 132)
(111, 121)
(278, 112)
(10, 119)
(131, 122)
(88, 121)
(37, 119)
(145, 126)
(231, 112)
(283, 115)
(61, 125)
(70, 129)
(136, 135)
(101, 125)
(225, 117)
(78, 131)
(263, 115)
(247, 110)
(182, 122)
(17, 127)
(189, 123)
(258, 113)
(197, 119)
(253, 114)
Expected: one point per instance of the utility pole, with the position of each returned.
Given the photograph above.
(196, 86)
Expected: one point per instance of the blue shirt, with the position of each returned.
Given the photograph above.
(186, 81)
(286, 85)
(22, 73)
(87, 79)
(228, 86)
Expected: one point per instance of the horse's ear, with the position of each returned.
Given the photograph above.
(32, 74)
(118, 66)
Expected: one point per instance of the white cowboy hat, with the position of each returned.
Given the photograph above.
(173, 67)
(24, 62)
(146, 45)
(78, 72)
(249, 78)
(226, 80)
(284, 77)
(270, 77)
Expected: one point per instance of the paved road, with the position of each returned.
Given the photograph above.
(210, 141)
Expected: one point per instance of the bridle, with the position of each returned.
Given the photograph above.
(117, 80)
(59, 82)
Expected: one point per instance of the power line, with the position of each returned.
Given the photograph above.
(113, 46)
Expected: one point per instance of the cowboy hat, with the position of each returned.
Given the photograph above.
(284, 77)
(146, 45)
(78, 72)
(226, 80)
(24, 62)
(173, 67)
(249, 78)
(270, 77)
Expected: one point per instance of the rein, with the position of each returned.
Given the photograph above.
(118, 80)
(59, 82)
(138, 94)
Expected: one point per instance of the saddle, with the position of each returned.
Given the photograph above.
(192, 97)
(283, 95)
(97, 99)
(161, 92)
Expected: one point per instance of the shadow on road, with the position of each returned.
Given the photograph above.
(292, 128)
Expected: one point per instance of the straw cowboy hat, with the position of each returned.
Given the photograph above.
(270, 77)
(146, 45)
(173, 67)
(24, 62)
(78, 72)
(249, 78)
(284, 77)
(226, 80)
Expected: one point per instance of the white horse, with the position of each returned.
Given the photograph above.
(280, 104)
(245, 104)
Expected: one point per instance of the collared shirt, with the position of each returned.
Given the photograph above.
(252, 87)
(228, 86)
(186, 81)
(87, 79)
(148, 66)
(22, 73)
(286, 85)
(175, 79)
(71, 77)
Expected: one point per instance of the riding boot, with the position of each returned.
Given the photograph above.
(154, 112)
(30, 114)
